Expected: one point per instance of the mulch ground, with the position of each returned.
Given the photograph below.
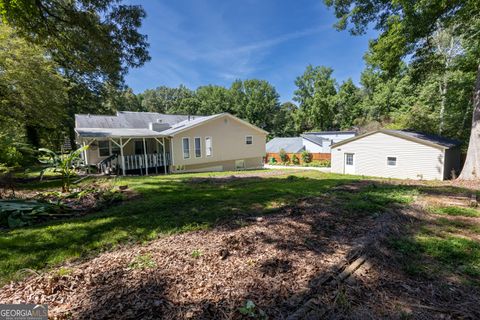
(286, 264)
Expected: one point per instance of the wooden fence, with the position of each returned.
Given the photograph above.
(315, 157)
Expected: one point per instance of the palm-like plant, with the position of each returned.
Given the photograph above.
(64, 164)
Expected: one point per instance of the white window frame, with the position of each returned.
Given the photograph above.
(109, 149)
(211, 147)
(346, 159)
(392, 165)
(183, 147)
(195, 146)
(251, 137)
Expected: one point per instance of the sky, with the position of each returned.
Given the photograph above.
(201, 42)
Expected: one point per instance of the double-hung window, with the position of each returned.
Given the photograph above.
(248, 140)
(198, 148)
(391, 161)
(104, 148)
(208, 146)
(186, 148)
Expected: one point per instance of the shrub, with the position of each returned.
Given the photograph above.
(295, 159)
(283, 156)
(273, 160)
(306, 157)
(319, 163)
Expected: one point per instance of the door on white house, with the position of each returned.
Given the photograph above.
(349, 163)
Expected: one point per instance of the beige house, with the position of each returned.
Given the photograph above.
(147, 142)
(397, 154)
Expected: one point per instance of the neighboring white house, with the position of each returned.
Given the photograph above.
(149, 142)
(313, 142)
(397, 154)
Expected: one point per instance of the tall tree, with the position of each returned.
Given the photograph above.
(214, 99)
(315, 95)
(255, 101)
(347, 105)
(284, 121)
(404, 27)
(92, 40)
(169, 100)
(33, 94)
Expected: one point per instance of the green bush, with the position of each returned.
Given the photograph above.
(283, 156)
(318, 163)
(306, 157)
(273, 160)
(295, 160)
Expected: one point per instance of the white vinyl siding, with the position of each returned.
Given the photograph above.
(413, 160)
(186, 148)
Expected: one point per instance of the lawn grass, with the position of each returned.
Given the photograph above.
(441, 248)
(456, 211)
(168, 204)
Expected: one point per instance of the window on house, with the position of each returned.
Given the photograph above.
(349, 159)
(392, 161)
(186, 148)
(248, 140)
(139, 147)
(198, 147)
(103, 148)
(208, 146)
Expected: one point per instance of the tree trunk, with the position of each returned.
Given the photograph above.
(471, 168)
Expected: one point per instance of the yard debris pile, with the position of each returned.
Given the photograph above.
(29, 208)
(295, 262)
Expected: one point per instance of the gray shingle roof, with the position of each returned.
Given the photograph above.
(188, 124)
(442, 141)
(315, 139)
(126, 119)
(117, 132)
(428, 139)
(290, 145)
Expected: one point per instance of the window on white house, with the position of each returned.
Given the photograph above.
(186, 148)
(208, 146)
(349, 159)
(104, 148)
(248, 140)
(392, 161)
(198, 147)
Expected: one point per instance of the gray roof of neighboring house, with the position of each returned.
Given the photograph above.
(315, 139)
(428, 139)
(290, 145)
(331, 132)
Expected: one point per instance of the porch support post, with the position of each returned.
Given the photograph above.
(121, 145)
(123, 158)
(85, 153)
(146, 159)
(164, 158)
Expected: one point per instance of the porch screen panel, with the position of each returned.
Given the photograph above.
(104, 148)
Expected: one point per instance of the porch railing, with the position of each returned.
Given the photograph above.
(141, 161)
